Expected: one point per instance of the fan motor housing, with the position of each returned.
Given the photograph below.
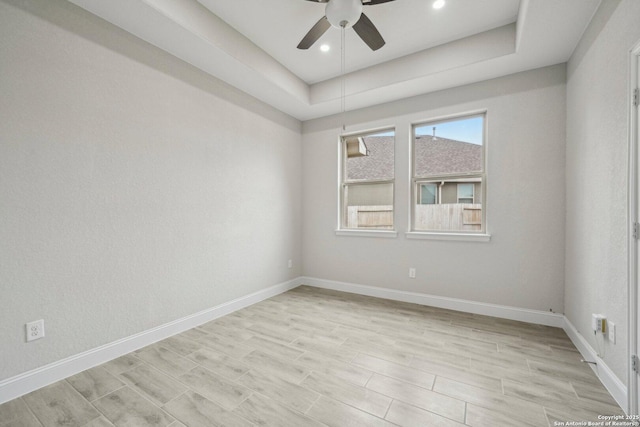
(343, 13)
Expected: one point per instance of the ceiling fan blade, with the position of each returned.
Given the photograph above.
(369, 33)
(327, 1)
(314, 33)
(373, 2)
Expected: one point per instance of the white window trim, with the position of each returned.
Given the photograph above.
(391, 234)
(460, 237)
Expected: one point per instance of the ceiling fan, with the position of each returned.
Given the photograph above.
(345, 14)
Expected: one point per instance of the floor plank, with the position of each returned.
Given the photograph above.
(125, 407)
(59, 404)
(194, 410)
(94, 383)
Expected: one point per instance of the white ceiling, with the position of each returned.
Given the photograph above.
(251, 44)
(407, 26)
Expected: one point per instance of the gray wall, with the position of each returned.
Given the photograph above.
(523, 265)
(596, 184)
(134, 189)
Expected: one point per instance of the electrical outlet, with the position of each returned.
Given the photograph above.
(612, 333)
(412, 273)
(35, 330)
(599, 323)
(290, 264)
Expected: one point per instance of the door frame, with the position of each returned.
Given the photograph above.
(632, 218)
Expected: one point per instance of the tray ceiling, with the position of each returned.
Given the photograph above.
(251, 44)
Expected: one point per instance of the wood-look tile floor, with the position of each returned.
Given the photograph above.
(312, 357)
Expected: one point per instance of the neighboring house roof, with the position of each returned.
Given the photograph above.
(434, 156)
(378, 164)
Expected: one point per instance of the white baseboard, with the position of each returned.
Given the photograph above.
(27, 382)
(612, 383)
(501, 311)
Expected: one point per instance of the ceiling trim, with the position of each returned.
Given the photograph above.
(542, 35)
(460, 53)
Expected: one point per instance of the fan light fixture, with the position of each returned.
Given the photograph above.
(438, 4)
(325, 48)
(343, 13)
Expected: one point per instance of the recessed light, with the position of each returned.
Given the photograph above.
(325, 48)
(438, 4)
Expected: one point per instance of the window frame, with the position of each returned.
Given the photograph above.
(415, 182)
(343, 183)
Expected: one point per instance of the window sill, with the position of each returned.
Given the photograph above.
(390, 234)
(459, 237)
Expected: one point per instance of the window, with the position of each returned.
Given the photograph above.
(428, 194)
(367, 181)
(449, 175)
(465, 193)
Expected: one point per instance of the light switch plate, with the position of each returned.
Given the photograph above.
(612, 332)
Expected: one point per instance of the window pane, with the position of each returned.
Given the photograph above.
(448, 164)
(368, 206)
(428, 194)
(465, 193)
(451, 147)
(370, 157)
